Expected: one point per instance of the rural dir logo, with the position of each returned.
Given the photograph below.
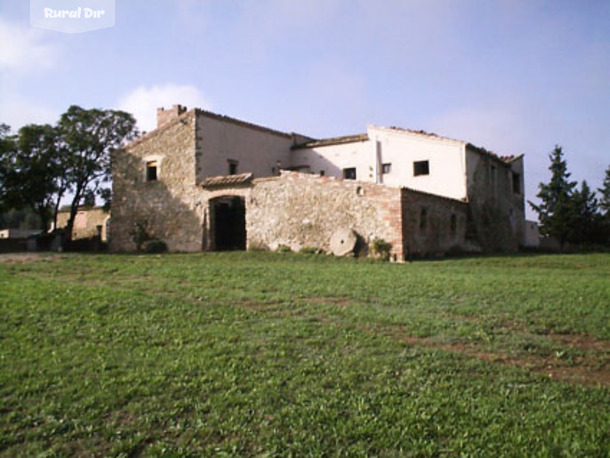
(72, 16)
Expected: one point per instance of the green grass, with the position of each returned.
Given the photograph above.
(271, 354)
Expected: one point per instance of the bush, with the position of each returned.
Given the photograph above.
(380, 249)
(283, 249)
(139, 234)
(154, 246)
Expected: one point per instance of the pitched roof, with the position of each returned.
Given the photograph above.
(333, 141)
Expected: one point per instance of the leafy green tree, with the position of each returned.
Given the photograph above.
(89, 138)
(556, 211)
(23, 218)
(7, 146)
(32, 172)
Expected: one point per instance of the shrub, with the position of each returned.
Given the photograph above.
(154, 246)
(380, 249)
(139, 234)
(283, 249)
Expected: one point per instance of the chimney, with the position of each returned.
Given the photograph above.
(164, 116)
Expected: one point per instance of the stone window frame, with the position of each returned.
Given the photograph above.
(147, 160)
(386, 168)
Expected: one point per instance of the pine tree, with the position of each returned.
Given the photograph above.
(604, 202)
(587, 220)
(556, 211)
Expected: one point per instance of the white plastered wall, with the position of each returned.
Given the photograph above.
(399, 148)
(257, 151)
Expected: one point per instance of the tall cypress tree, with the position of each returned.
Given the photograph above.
(556, 211)
(604, 205)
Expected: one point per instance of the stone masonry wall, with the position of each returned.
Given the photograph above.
(86, 222)
(497, 213)
(433, 225)
(171, 207)
(301, 210)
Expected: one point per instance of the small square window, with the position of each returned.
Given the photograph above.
(322, 173)
(151, 170)
(232, 167)
(386, 168)
(421, 168)
(350, 173)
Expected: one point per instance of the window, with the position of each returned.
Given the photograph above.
(232, 166)
(386, 168)
(349, 174)
(151, 170)
(421, 168)
(453, 224)
(516, 183)
(423, 219)
(322, 173)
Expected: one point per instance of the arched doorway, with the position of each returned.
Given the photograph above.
(228, 223)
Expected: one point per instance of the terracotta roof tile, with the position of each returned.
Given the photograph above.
(227, 180)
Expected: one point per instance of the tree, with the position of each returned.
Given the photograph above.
(7, 146)
(604, 205)
(586, 222)
(88, 139)
(604, 202)
(32, 172)
(556, 209)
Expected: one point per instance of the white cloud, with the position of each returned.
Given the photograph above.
(143, 101)
(23, 48)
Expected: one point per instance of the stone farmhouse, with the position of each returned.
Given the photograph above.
(203, 181)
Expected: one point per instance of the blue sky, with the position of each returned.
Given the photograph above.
(509, 75)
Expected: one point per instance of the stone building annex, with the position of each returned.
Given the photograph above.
(203, 181)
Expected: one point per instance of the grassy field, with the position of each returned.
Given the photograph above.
(280, 354)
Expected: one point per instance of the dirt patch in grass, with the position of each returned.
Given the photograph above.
(22, 258)
(336, 301)
(591, 368)
(581, 342)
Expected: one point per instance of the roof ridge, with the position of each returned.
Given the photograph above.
(333, 141)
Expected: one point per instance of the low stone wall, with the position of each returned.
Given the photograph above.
(301, 210)
(86, 223)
